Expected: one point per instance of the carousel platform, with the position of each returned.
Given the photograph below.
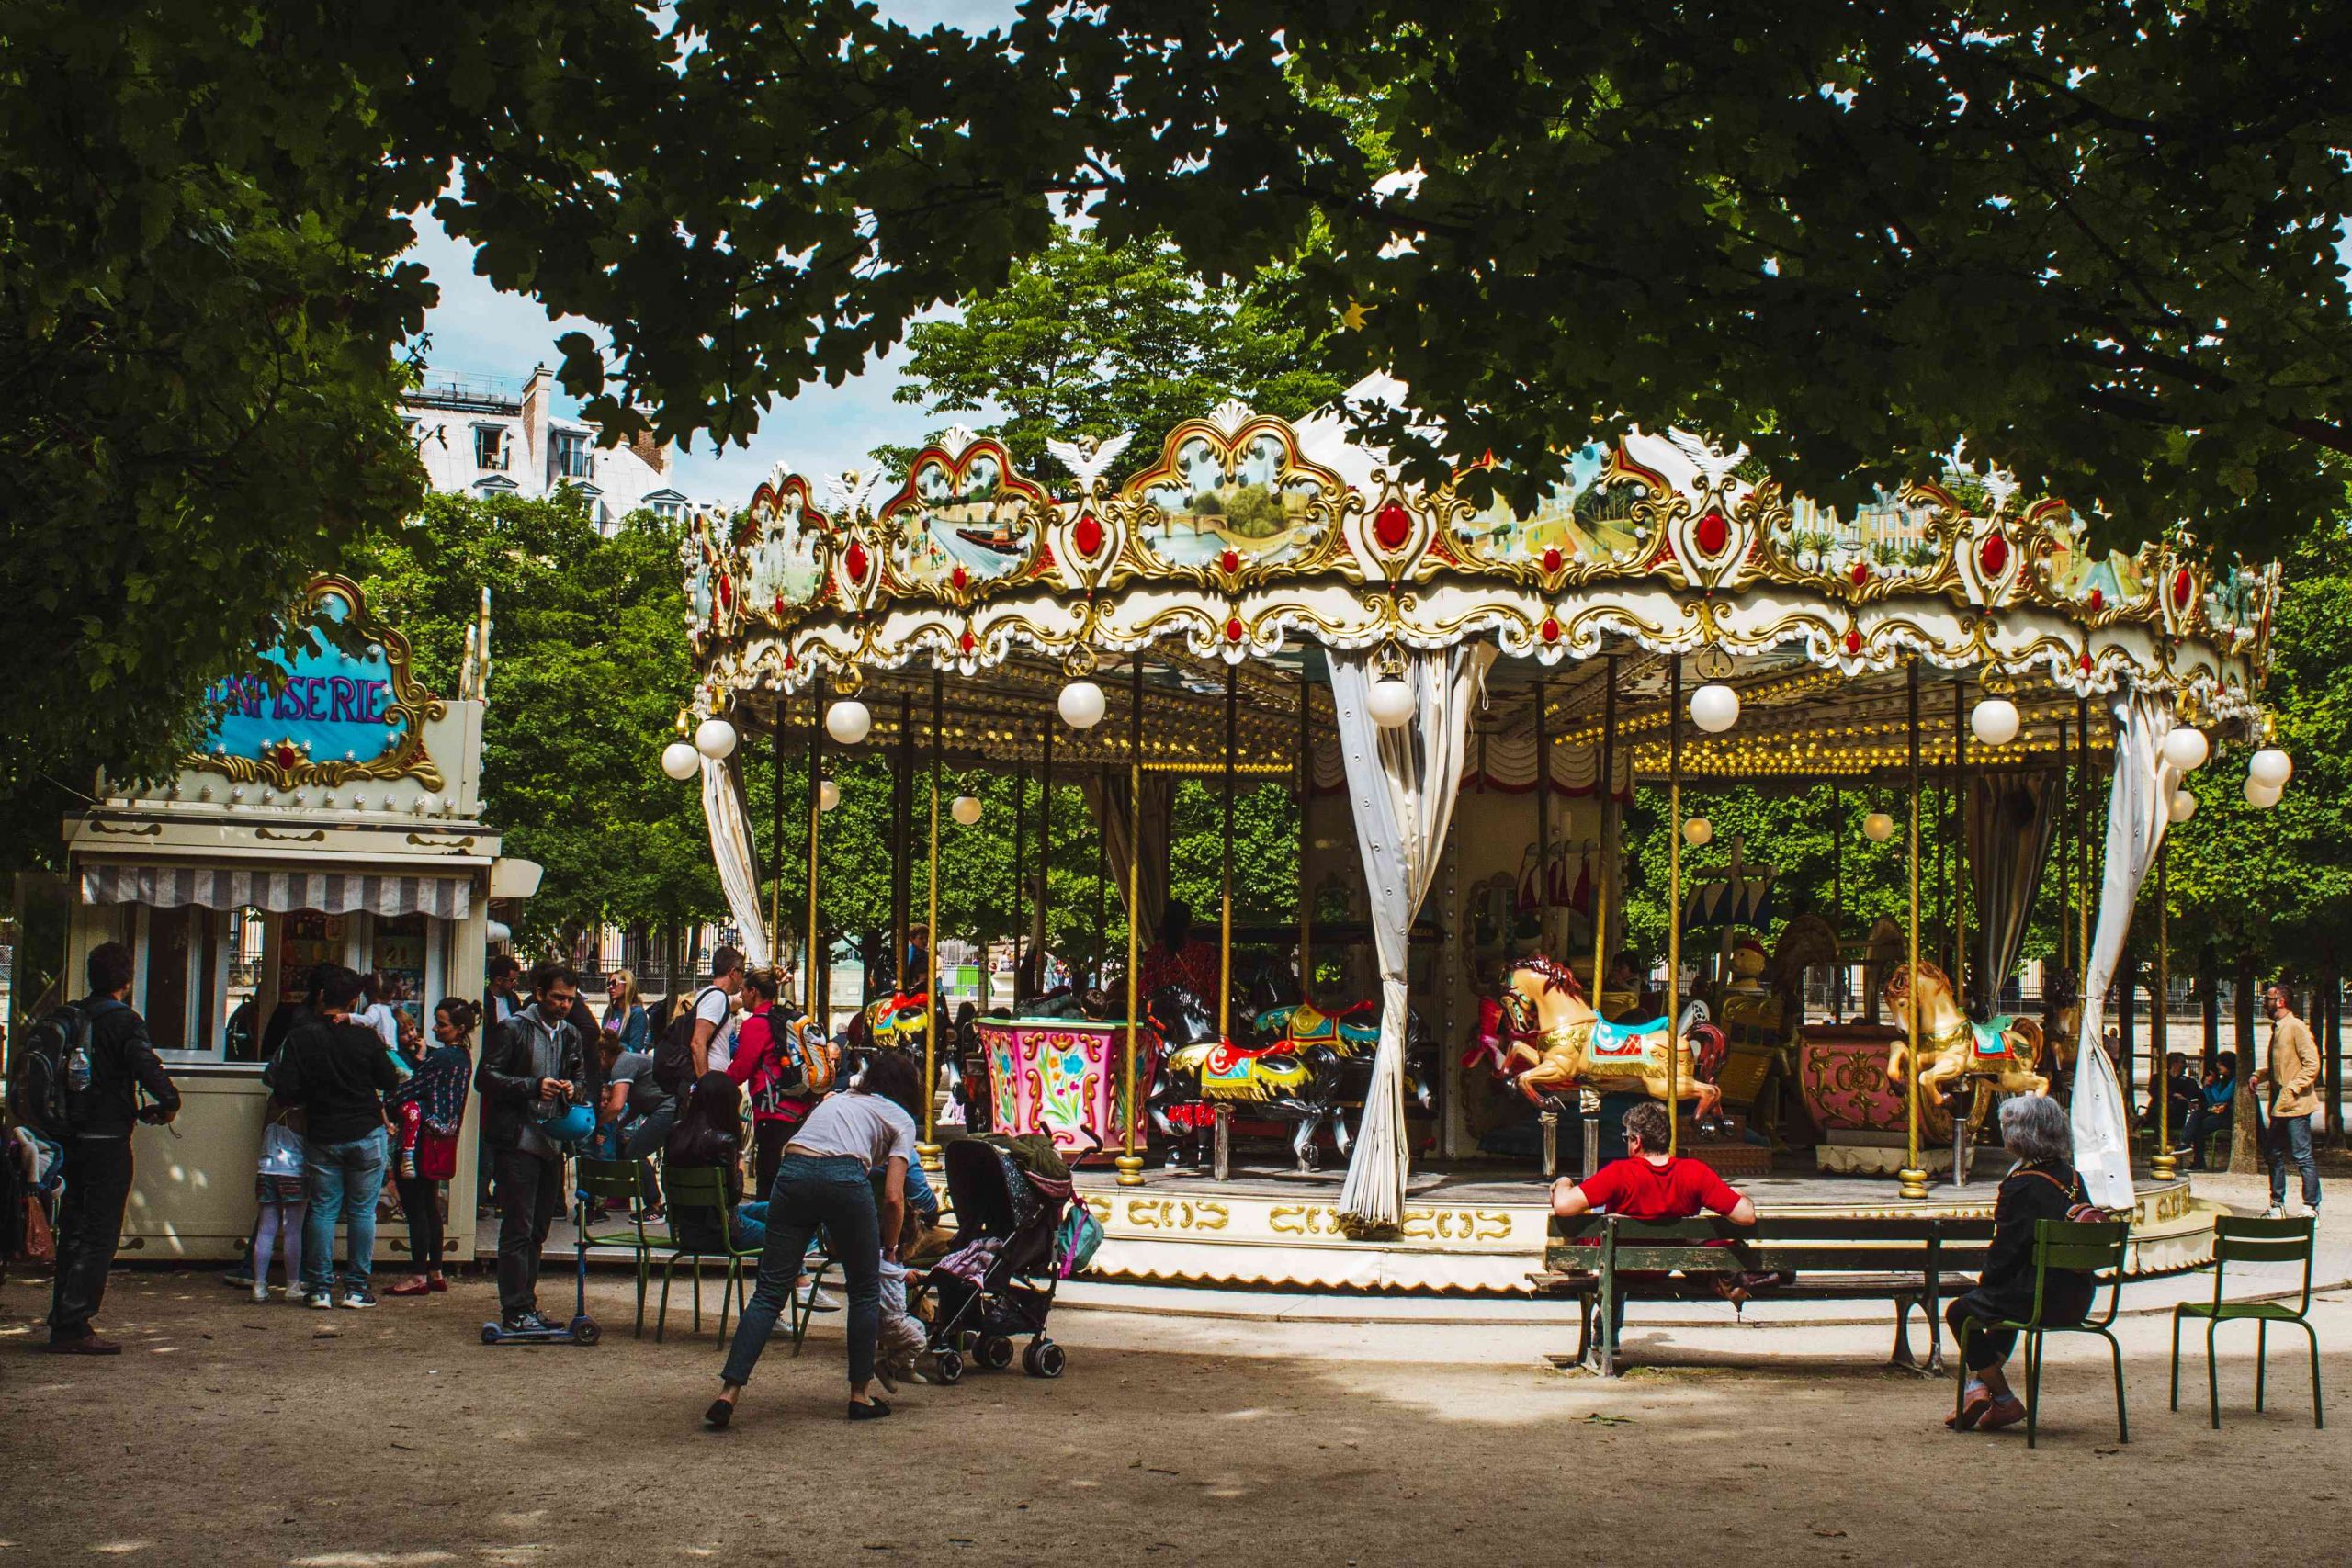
(1478, 1229)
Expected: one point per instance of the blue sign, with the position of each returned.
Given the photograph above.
(336, 703)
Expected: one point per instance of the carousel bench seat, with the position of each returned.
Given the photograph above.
(1834, 1258)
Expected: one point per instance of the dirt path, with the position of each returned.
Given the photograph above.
(232, 1434)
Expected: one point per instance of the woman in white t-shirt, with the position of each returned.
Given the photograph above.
(827, 1180)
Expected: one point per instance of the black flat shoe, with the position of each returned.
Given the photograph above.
(722, 1412)
(872, 1410)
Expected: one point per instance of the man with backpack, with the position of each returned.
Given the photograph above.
(531, 1071)
(335, 1070)
(80, 1073)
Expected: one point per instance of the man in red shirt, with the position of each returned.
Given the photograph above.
(1651, 1184)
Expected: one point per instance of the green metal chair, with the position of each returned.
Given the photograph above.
(691, 1188)
(598, 1180)
(2252, 1241)
(814, 1267)
(2095, 1247)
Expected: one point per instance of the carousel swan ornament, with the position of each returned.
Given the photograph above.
(2007, 1052)
(1551, 1041)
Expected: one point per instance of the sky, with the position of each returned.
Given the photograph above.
(477, 331)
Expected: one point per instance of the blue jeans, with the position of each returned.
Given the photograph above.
(2291, 1139)
(812, 1194)
(345, 1179)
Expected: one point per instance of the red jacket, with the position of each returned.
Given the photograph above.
(758, 1063)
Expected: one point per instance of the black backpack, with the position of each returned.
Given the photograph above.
(50, 1089)
(673, 1055)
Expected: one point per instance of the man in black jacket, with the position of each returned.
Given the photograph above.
(532, 1068)
(98, 1154)
(337, 1071)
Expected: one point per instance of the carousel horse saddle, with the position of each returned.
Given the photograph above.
(1306, 1024)
(1623, 1041)
(1991, 1039)
(1237, 1072)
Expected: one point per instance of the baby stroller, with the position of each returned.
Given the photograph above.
(1000, 1281)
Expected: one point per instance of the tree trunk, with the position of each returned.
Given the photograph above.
(2246, 1140)
(2208, 991)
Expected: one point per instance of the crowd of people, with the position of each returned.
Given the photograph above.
(732, 1078)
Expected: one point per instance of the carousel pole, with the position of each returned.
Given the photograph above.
(775, 834)
(1607, 791)
(1674, 909)
(1960, 850)
(816, 815)
(1045, 847)
(927, 1151)
(2083, 849)
(1305, 803)
(1838, 895)
(1225, 923)
(2066, 865)
(1130, 1164)
(902, 850)
(1543, 830)
(1101, 875)
(2164, 1165)
(1913, 1176)
(1019, 800)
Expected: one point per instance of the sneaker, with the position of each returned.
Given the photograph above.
(2276, 1212)
(324, 1300)
(814, 1300)
(526, 1323)
(359, 1301)
(261, 1292)
(296, 1293)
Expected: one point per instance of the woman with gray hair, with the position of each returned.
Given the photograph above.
(2042, 1186)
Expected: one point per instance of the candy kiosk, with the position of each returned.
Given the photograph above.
(331, 815)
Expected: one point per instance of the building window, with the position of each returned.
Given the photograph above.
(490, 446)
(571, 454)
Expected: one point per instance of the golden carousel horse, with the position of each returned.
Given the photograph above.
(1556, 1042)
(2007, 1052)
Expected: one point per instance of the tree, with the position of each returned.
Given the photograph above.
(1090, 339)
(589, 666)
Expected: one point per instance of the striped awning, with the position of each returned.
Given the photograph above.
(332, 893)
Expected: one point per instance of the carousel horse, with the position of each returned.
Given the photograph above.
(1313, 1084)
(2007, 1050)
(1547, 1035)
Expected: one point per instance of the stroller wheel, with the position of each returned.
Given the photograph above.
(1044, 1359)
(949, 1366)
(996, 1352)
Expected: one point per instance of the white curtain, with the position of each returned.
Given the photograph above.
(1401, 788)
(2137, 812)
(730, 847)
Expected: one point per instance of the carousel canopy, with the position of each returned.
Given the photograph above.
(1253, 543)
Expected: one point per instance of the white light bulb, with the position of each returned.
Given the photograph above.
(1878, 826)
(1698, 831)
(967, 809)
(828, 795)
(715, 738)
(1994, 721)
(848, 721)
(2182, 806)
(2270, 768)
(1390, 703)
(680, 760)
(1715, 707)
(2186, 748)
(1081, 705)
(2260, 796)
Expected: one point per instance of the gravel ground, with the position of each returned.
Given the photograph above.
(230, 1433)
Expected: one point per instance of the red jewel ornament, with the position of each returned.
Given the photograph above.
(1993, 555)
(2085, 662)
(964, 642)
(1392, 528)
(1854, 642)
(286, 756)
(2180, 587)
(1230, 562)
(1714, 535)
(1552, 559)
(1234, 629)
(959, 577)
(855, 562)
(1087, 537)
(1551, 630)
(1861, 572)
(2098, 601)
(779, 604)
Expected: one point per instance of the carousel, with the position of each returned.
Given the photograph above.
(1464, 701)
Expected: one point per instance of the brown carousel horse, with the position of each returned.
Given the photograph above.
(1554, 1042)
(2007, 1050)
